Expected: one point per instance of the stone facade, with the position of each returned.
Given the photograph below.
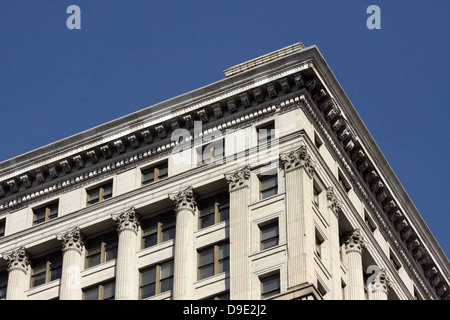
(265, 185)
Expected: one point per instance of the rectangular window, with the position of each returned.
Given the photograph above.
(99, 193)
(2, 227)
(266, 133)
(101, 249)
(213, 151)
(213, 260)
(214, 210)
(158, 229)
(394, 261)
(316, 195)
(268, 185)
(103, 291)
(156, 279)
(3, 284)
(270, 235)
(46, 269)
(343, 182)
(155, 173)
(369, 223)
(45, 213)
(270, 286)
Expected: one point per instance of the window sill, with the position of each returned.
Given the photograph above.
(212, 279)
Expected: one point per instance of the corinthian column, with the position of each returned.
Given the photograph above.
(238, 183)
(298, 168)
(72, 247)
(184, 271)
(354, 246)
(379, 286)
(126, 262)
(17, 263)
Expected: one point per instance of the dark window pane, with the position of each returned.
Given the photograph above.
(166, 284)
(268, 193)
(38, 279)
(206, 271)
(93, 196)
(269, 231)
(269, 243)
(168, 234)
(108, 290)
(163, 172)
(91, 294)
(224, 212)
(2, 292)
(148, 175)
(206, 221)
(268, 182)
(150, 240)
(148, 276)
(111, 252)
(2, 228)
(148, 291)
(206, 256)
(224, 265)
(93, 260)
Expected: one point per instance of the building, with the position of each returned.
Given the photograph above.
(263, 185)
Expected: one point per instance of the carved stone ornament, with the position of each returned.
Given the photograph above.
(380, 282)
(184, 200)
(72, 240)
(334, 203)
(238, 179)
(354, 242)
(127, 220)
(296, 159)
(17, 260)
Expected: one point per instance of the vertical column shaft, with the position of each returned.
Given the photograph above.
(126, 263)
(353, 259)
(184, 272)
(72, 246)
(300, 226)
(239, 234)
(18, 263)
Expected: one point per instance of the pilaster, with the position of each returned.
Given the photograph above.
(17, 265)
(72, 243)
(299, 168)
(184, 271)
(239, 188)
(126, 264)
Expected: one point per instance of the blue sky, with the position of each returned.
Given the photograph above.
(128, 55)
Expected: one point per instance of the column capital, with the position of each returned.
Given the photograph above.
(334, 203)
(127, 220)
(17, 260)
(296, 159)
(72, 240)
(381, 282)
(238, 179)
(354, 242)
(184, 200)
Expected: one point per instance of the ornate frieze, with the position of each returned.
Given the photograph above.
(127, 220)
(238, 179)
(184, 200)
(72, 240)
(297, 159)
(17, 260)
(354, 242)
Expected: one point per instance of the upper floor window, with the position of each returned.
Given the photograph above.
(343, 182)
(319, 242)
(269, 233)
(155, 173)
(214, 210)
(103, 291)
(45, 213)
(101, 249)
(213, 260)
(268, 185)
(270, 285)
(213, 151)
(156, 279)
(2, 228)
(99, 193)
(46, 269)
(266, 133)
(369, 223)
(158, 229)
(316, 195)
(3, 283)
